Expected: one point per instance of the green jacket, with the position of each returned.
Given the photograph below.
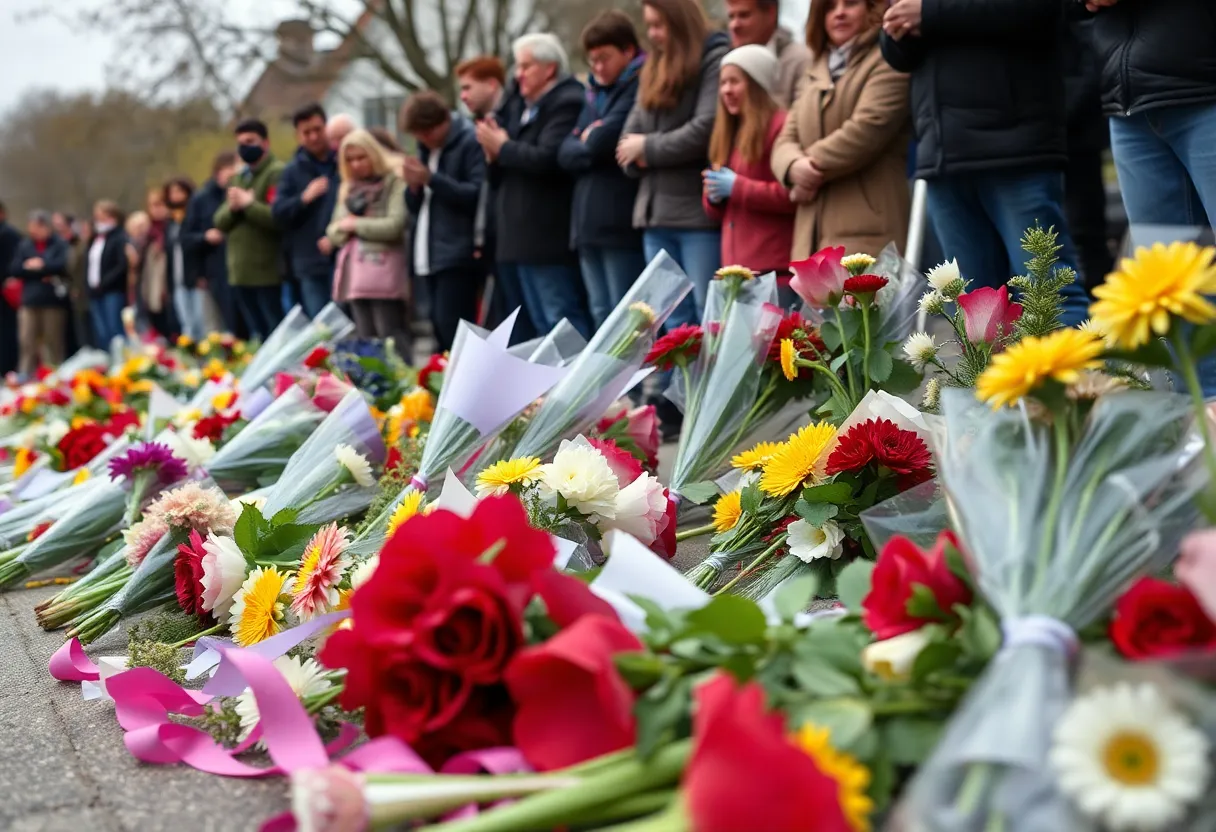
(255, 249)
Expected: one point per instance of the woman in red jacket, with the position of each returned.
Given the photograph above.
(740, 190)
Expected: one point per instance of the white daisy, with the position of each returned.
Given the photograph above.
(354, 462)
(1128, 759)
(946, 277)
(809, 544)
(920, 349)
(306, 678)
(932, 303)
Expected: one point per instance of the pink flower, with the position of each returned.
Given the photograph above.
(989, 314)
(325, 560)
(643, 429)
(819, 280)
(641, 509)
(329, 392)
(224, 570)
(282, 383)
(623, 464)
(142, 536)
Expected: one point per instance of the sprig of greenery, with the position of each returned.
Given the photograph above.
(1041, 288)
(158, 655)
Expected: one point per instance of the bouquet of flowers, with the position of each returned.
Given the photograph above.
(292, 341)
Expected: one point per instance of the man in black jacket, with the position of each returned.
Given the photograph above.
(204, 243)
(105, 276)
(42, 264)
(304, 205)
(10, 238)
(444, 186)
(609, 247)
(1158, 61)
(534, 193)
(989, 111)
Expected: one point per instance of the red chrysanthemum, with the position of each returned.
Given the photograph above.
(881, 442)
(865, 284)
(188, 574)
(213, 427)
(679, 347)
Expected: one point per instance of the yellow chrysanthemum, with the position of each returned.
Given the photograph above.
(185, 341)
(1148, 290)
(23, 460)
(788, 356)
(499, 477)
(852, 778)
(29, 405)
(410, 506)
(644, 311)
(82, 393)
(798, 461)
(80, 421)
(81, 476)
(1060, 356)
(728, 511)
(257, 609)
(418, 406)
(754, 459)
(741, 272)
(215, 369)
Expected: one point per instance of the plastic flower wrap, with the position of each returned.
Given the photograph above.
(258, 454)
(1058, 513)
(292, 341)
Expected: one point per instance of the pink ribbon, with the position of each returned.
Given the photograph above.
(419, 482)
(71, 664)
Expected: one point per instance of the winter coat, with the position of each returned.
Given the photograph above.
(677, 149)
(855, 130)
(603, 194)
(204, 260)
(987, 85)
(254, 239)
(114, 265)
(1156, 53)
(47, 286)
(1087, 127)
(758, 218)
(793, 58)
(303, 225)
(534, 193)
(371, 263)
(455, 189)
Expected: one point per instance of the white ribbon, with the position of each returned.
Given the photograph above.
(1040, 631)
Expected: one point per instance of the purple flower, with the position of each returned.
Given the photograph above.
(149, 457)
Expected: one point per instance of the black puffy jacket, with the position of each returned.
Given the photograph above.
(987, 85)
(1156, 53)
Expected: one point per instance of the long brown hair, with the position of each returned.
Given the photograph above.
(817, 26)
(667, 74)
(746, 132)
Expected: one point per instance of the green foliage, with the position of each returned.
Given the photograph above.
(159, 656)
(276, 541)
(222, 723)
(1040, 288)
(169, 627)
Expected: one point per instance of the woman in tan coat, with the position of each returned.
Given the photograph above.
(843, 152)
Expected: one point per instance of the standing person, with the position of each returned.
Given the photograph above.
(666, 143)
(106, 268)
(10, 238)
(254, 243)
(758, 22)
(189, 301)
(534, 193)
(154, 296)
(609, 247)
(206, 253)
(844, 149)
(754, 208)
(76, 303)
(304, 205)
(988, 106)
(444, 182)
(368, 231)
(137, 228)
(337, 129)
(42, 264)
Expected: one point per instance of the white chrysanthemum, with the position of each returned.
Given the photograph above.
(1128, 759)
(354, 462)
(223, 573)
(306, 678)
(920, 349)
(196, 452)
(945, 277)
(932, 303)
(581, 476)
(1093, 385)
(810, 544)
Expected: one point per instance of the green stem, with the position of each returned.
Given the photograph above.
(1186, 361)
(642, 806)
(844, 346)
(975, 783)
(865, 358)
(691, 533)
(845, 395)
(1060, 429)
(903, 708)
(195, 638)
(765, 555)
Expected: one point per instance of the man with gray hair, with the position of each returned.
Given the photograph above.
(41, 263)
(534, 194)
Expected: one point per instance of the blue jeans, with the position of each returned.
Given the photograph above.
(980, 219)
(699, 253)
(261, 307)
(315, 294)
(190, 305)
(552, 292)
(607, 275)
(289, 296)
(509, 296)
(105, 313)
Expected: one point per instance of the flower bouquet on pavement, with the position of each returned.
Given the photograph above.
(291, 343)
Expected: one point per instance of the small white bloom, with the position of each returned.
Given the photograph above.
(945, 277)
(857, 263)
(362, 572)
(1129, 760)
(920, 349)
(933, 395)
(581, 476)
(354, 462)
(254, 499)
(640, 508)
(195, 452)
(224, 570)
(306, 678)
(893, 658)
(810, 544)
(932, 303)
(55, 430)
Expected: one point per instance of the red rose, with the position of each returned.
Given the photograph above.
(394, 460)
(665, 544)
(213, 427)
(121, 420)
(437, 363)
(571, 703)
(1155, 619)
(78, 447)
(188, 575)
(567, 599)
(469, 629)
(900, 567)
(484, 721)
(745, 773)
(317, 358)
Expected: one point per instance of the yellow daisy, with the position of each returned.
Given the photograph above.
(257, 608)
(501, 476)
(418, 406)
(410, 506)
(754, 459)
(1060, 356)
(728, 511)
(223, 401)
(1148, 290)
(741, 272)
(799, 461)
(852, 778)
(788, 356)
(82, 393)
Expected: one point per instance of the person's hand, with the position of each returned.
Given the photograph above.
(348, 224)
(325, 246)
(902, 18)
(719, 184)
(491, 137)
(631, 150)
(804, 174)
(589, 129)
(417, 175)
(800, 194)
(34, 263)
(214, 236)
(1098, 5)
(316, 189)
(239, 199)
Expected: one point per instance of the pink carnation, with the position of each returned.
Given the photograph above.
(623, 464)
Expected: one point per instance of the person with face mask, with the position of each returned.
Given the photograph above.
(254, 241)
(106, 267)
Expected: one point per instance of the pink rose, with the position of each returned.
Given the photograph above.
(282, 383)
(641, 510)
(329, 392)
(643, 429)
(819, 280)
(623, 464)
(989, 314)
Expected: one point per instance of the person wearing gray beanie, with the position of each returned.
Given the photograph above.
(758, 62)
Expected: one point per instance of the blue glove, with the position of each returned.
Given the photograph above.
(720, 184)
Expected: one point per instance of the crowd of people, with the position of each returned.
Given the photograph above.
(749, 146)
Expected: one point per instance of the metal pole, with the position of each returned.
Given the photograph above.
(916, 235)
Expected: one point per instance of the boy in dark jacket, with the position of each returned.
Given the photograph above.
(205, 243)
(444, 182)
(105, 277)
(609, 247)
(42, 264)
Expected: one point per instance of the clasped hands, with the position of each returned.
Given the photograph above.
(806, 180)
(902, 18)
